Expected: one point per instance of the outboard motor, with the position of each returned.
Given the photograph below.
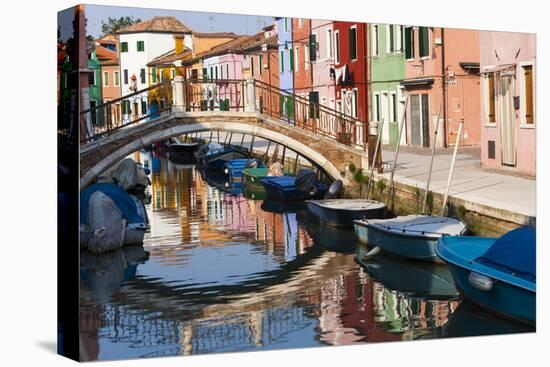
(306, 180)
(334, 190)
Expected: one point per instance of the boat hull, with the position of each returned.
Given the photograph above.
(338, 217)
(133, 234)
(412, 247)
(510, 298)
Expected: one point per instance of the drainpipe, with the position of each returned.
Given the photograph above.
(444, 88)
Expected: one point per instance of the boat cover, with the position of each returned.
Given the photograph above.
(284, 182)
(513, 253)
(121, 198)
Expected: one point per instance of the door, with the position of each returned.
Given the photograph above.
(384, 115)
(416, 137)
(425, 120)
(507, 120)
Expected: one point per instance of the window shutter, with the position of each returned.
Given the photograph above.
(409, 45)
(491, 96)
(529, 106)
(282, 62)
(291, 54)
(312, 47)
(353, 43)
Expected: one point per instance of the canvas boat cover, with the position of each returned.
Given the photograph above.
(421, 225)
(513, 253)
(121, 198)
(284, 182)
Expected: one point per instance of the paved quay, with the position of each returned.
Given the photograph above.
(491, 193)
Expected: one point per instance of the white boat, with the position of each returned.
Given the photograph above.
(342, 212)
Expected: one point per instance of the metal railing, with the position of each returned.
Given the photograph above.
(222, 95)
(143, 105)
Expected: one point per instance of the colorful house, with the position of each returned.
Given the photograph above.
(322, 65)
(110, 77)
(302, 39)
(387, 70)
(508, 93)
(351, 69)
(286, 66)
(441, 74)
(94, 85)
(139, 44)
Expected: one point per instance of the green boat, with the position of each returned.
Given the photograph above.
(252, 178)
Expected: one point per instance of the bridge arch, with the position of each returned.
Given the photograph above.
(149, 137)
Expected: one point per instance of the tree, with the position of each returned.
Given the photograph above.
(112, 25)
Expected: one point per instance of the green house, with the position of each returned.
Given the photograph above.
(94, 83)
(387, 72)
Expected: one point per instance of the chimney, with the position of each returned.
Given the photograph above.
(178, 39)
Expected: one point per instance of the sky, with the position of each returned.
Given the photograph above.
(197, 21)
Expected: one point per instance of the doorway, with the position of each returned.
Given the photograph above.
(507, 119)
(420, 120)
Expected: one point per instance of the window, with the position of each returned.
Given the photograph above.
(216, 72)
(211, 76)
(286, 24)
(260, 65)
(227, 70)
(409, 43)
(329, 43)
(172, 73)
(297, 58)
(125, 74)
(117, 78)
(142, 76)
(161, 75)
(124, 47)
(221, 71)
(306, 57)
(91, 78)
(393, 107)
(204, 74)
(391, 38)
(491, 98)
(528, 104)
(399, 38)
(313, 47)
(105, 78)
(140, 46)
(424, 41)
(374, 40)
(252, 66)
(154, 75)
(282, 61)
(143, 107)
(376, 112)
(337, 47)
(291, 59)
(313, 110)
(353, 43)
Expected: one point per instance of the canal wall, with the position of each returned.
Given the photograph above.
(482, 220)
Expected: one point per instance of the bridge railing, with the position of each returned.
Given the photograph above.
(310, 115)
(147, 104)
(221, 95)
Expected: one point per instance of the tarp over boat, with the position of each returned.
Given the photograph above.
(514, 253)
(121, 198)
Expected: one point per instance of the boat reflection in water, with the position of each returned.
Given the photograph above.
(223, 274)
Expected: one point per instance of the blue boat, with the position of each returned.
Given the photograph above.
(234, 168)
(215, 160)
(498, 274)
(411, 236)
(284, 188)
(416, 279)
(133, 211)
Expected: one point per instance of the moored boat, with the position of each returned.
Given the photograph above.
(216, 160)
(410, 236)
(183, 152)
(342, 212)
(499, 274)
(234, 168)
(132, 209)
(284, 188)
(252, 178)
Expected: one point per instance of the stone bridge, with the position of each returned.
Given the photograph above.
(326, 152)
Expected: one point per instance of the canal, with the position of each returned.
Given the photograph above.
(220, 272)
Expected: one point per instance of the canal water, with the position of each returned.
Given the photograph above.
(220, 272)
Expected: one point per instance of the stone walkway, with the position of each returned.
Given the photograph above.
(501, 192)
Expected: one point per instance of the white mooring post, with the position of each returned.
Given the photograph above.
(179, 102)
(250, 96)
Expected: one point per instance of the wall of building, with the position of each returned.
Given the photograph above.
(515, 49)
(301, 29)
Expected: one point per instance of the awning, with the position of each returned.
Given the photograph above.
(506, 68)
(418, 82)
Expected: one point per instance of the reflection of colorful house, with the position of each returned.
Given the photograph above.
(322, 64)
(508, 66)
(387, 71)
(427, 70)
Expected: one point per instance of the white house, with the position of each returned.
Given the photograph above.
(139, 44)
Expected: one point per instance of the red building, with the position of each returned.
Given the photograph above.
(351, 71)
(303, 76)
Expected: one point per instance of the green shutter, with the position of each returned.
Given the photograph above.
(124, 47)
(154, 75)
(282, 61)
(252, 66)
(409, 45)
(353, 43)
(143, 107)
(312, 47)
(424, 41)
(291, 53)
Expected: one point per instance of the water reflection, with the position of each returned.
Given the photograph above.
(219, 272)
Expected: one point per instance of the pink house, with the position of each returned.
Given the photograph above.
(508, 67)
(323, 68)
